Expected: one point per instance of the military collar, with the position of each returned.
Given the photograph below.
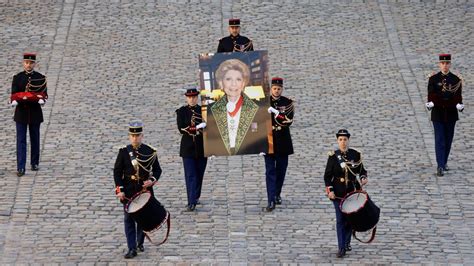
(137, 147)
(276, 99)
(234, 37)
(443, 74)
(29, 73)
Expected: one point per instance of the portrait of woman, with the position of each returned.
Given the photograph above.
(235, 123)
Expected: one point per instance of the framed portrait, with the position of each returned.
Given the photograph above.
(235, 95)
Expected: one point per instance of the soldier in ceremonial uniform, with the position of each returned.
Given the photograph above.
(28, 114)
(234, 42)
(340, 179)
(282, 111)
(136, 169)
(444, 101)
(190, 125)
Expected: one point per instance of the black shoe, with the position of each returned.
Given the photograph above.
(198, 202)
(141, 248)
(440, 172)
(20, 172)
(278, 200)
(270, 207)
(446, 168)
(348, 248)
(34, 167)
(131, 253)
(191, 208)
(341, 253)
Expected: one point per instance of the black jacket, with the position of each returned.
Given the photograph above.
(282, 144)
(124, 171)
(445, 91)
(334, 175)
(28, 112)
(232, 44)
(188, 117)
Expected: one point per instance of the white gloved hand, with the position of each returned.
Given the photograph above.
(41, 102)
(343, 165)
(211, 157)
(273, 110)
(429, 105)
(201, 125)
(460, 107)
(262, 154)
(14, 103)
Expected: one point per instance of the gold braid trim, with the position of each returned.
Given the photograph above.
(287, 110)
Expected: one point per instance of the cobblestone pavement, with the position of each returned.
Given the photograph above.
(355, 64)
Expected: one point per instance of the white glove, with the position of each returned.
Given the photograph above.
(429, 105)
(273, 110)
(460, 107)
(201, 125)
(343, 165)
(262, 154)
(41, 101)
(211, 157)
(14, 103)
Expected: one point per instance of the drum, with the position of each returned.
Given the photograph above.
(28, 96)
(150, 215)
(361, 212)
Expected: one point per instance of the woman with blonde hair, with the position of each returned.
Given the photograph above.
(239, 129)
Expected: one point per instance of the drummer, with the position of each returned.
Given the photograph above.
(136, 169)
(340, 179)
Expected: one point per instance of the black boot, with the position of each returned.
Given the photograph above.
(341, 253)
(270, 207)
(130, 254)
(20, 172)
(141, 248)
(440, 172)
(278, 200)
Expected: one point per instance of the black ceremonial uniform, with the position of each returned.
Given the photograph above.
(237, 43)
(342, 181)
(28, 115)
(335, 177)
(191, 150)
(132, 167)
(126, 178)
(191, 140)
(445, 91)
(28, 112)
(282, 144)
(277, 162)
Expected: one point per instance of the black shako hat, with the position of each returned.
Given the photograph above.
(29, 56)
(234, 22)
(445, 58)
(191, 92)
(277, 81)
(135, 128)
(343, 132)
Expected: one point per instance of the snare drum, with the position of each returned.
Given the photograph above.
(361, 212)
(150, 215)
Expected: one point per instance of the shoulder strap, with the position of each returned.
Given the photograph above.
(338, 156)
(131, 153)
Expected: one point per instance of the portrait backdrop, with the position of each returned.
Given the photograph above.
(235, 95)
